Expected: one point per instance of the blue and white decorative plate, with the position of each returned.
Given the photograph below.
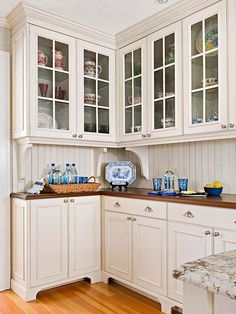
(120, 172)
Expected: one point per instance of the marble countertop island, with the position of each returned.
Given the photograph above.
(216, 273)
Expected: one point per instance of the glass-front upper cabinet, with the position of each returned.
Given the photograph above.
(96, 92)
(164, 116)
(205, 70)
(53, 84)
(132, 96)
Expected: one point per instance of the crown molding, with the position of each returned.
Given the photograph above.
(25, 13)
(3, 22)
(170, 15)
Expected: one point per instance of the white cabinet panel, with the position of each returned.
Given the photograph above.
(48, 241)
(224, 240)
(185, 243)
(84, 235)
(149, 253)
(118, 245)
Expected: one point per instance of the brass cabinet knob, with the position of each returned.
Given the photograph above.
(223, 126)
(66, 201)
(207, 232)
(80, 136)
(72, 200)
(144, 135)
(216, 234)
(74, 135)
(149, 135)
(231, 125)
(129, 218)
(117, 204)
(133, 219)
(188, 214)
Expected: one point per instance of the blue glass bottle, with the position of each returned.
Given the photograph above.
(51, 177)
(74, 173)
(67, 177)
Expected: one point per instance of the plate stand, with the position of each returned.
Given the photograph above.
(121, 186)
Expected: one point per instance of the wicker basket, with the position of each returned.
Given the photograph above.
(72, 188)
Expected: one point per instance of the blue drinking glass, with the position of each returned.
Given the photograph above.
(183, 184)
(157, 182)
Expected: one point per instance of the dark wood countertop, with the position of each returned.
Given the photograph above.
(225, 200)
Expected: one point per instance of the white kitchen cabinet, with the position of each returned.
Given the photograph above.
(96, 92)
(84, 235)
(165, 73)
(186, 242)
(133, 93)
(224, 240)
(149, 253)
(52, 84)
(55, 241)
(135, 246)
(48, 241)
(118, 245)
(205, 75)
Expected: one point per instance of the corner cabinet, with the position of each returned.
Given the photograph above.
(165, 71)
(63, 88)
(133, 101)
(205, 75)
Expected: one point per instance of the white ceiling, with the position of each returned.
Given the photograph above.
(109, 16)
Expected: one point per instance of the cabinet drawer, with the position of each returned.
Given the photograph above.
(136, 206)
(203, 215)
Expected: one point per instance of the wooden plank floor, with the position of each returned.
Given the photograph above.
(80, 297)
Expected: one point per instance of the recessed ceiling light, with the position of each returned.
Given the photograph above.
(160, 1)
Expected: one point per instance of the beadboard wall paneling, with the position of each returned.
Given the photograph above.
(38, 163)
(201, 162)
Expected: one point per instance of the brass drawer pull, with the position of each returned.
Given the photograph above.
(188, 214)
(117, 204)
(133, 219)
(72, 200)
(129, 218)
(148, 209)
(216, 234)
(207, 232)
(65, 201)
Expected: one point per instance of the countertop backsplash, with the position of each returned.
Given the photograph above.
(201, 162)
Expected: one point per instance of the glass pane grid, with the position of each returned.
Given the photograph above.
(164, 83)
(133, 92)
(205, 107)
(96, 93)
(53, 112)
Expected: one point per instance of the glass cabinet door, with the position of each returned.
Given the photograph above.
(164, 82)
(204, 71)
(96, 92)
(166, 73)
(207, 105)
(53, 85)
(133, 91)
(133, 77)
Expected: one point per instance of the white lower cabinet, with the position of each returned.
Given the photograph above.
(149, 253)
(55, 241)
(48, 241)
(118, 244)
(135, 249)
(224, 240)
(84, 235)
(186, 243)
